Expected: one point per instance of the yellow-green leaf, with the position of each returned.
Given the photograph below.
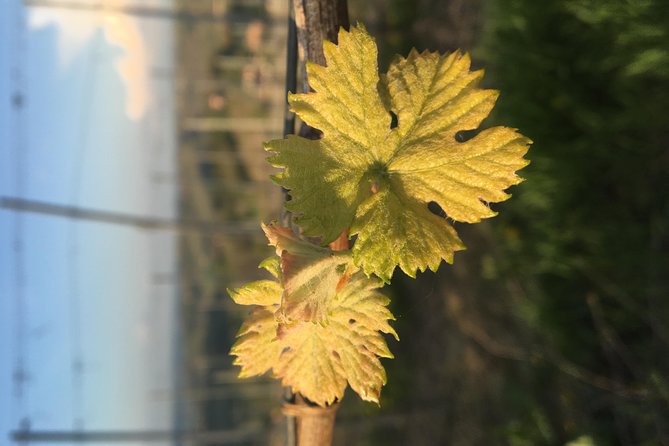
(272, 265)
(377, 180)
(256, 348)
(411, 242)
(319, 360)
(261, 292)
(310, 274)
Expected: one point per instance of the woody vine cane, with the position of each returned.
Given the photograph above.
(311, 21)
(319, 323)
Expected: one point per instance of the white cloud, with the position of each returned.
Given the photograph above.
(76, 28)
(133, 67)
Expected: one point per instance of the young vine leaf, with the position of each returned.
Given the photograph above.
(317, 360)
(310, 274)
(377, 179)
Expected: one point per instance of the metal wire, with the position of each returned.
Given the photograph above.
(288, 129)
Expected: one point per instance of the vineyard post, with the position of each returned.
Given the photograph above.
(315, 21)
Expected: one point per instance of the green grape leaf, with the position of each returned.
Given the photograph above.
(272, 265)
(319, 360)
(378, 180)
(256, 293)
(256, 348)
(310, 274)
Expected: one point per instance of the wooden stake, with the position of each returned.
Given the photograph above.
(316, 20)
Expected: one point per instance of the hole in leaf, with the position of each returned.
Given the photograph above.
(434, 207)
(351, 321)
(309, 132)
(284, 351)
(465, 135)
(393, 120)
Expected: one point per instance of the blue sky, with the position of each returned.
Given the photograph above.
(95, 129)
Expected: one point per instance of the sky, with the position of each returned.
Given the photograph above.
(87, 309)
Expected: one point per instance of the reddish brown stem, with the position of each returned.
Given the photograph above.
(341, 243)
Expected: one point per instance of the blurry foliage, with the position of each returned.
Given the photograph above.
(437, 25)
(587, 235)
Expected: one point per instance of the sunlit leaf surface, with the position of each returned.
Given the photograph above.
(378, 179)
(316, 359)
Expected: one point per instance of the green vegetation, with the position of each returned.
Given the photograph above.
(588, 236)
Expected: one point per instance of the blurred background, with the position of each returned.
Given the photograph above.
(132, 182)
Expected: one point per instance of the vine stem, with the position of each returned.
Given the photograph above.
(314, 21)
(315, 424)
